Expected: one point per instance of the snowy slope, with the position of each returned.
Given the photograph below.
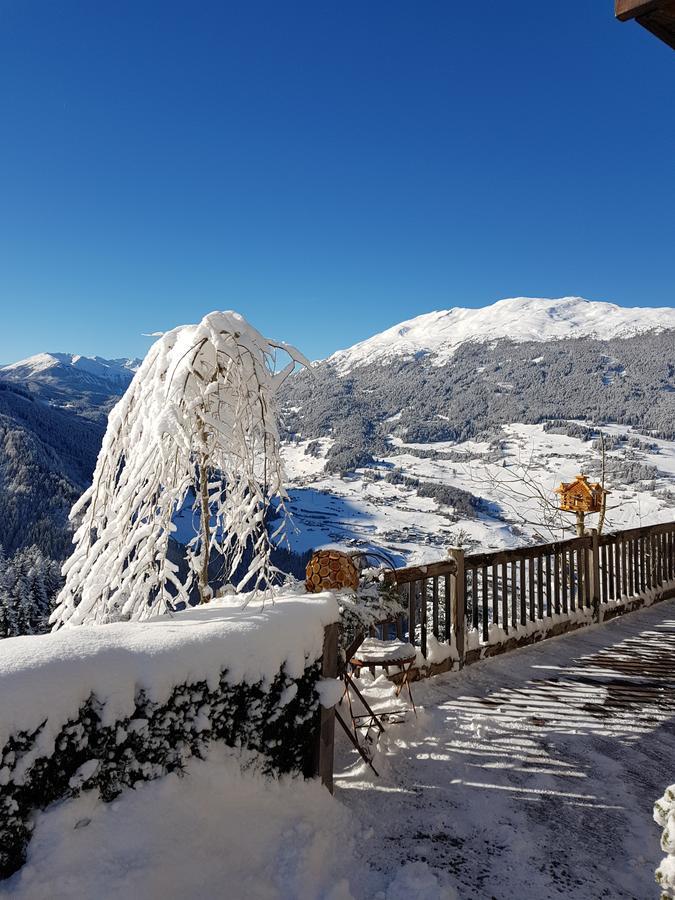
(438, 334)
(64, 365)
(88, 385)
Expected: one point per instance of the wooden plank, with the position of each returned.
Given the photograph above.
(484, 603)
(661, 22)
(514, 594)
(475, 602)
(540, 587)
(416, 573)
(610, 570)
(434, 606)
(495, 595)
(556, 583)
(549, 603)
(523, 593)
(580, 579)
(505, 598)
(326, 732)
(411, 612)
(604, 579)
(588, 582)
(447, 607)
(530, 572)
(617, 570)
(574, 582)
(423, 618)
(499, 556)
(565, 575)
(592, 571)
(458, 584)
(629, 9)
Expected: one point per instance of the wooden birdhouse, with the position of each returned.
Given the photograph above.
(581, 495)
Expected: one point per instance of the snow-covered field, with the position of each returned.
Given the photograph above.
(366, 510)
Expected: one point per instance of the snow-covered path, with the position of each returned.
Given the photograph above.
(531, 775)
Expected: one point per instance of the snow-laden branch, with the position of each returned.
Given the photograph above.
(197, 425)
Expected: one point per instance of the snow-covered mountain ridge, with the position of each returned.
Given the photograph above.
(96, 366)
(87, 385)
(439, 334)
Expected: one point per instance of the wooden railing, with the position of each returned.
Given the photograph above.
(426, 589)
(557, 586)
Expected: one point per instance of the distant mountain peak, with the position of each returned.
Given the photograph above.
(439, 334)
(46, 364)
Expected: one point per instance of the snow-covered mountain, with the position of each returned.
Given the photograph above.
(87, 384)
(419, 442)
(439, 334)
(117, 372)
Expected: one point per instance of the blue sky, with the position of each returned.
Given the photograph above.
(326, 169)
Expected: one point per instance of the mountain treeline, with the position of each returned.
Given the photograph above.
(29, 583)
(484, 385)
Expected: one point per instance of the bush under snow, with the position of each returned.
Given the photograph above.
(105, 707)
(664, 815)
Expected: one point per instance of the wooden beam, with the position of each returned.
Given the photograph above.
(629, 9)
(661, 23)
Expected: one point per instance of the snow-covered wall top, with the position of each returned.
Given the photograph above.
(438, 334)
(49, 677)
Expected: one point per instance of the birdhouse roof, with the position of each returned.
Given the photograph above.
(580, 482)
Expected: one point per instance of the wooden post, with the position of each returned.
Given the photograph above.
(326, 736)
(594, 575)
(459, 606)
(581, 528)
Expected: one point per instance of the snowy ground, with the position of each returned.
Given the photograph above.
(217, 832)
(527, 776)
(365, 510)
(531, 775)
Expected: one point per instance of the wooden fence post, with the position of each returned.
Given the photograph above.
(326, 736)
(459, 606)
(595, 575)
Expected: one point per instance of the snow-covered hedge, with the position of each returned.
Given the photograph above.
(106, 706)
(664, 815)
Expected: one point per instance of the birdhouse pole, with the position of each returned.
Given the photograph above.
(581, 527)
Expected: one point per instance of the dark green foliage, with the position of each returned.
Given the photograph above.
(155, 740)
(463, 502)
(29, 583)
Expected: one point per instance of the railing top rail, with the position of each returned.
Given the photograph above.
(628, 534)
(418, 573)
(495, 557)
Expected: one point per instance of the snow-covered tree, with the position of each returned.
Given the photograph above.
(196, 426)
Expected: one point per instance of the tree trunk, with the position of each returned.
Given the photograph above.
(205, 532)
